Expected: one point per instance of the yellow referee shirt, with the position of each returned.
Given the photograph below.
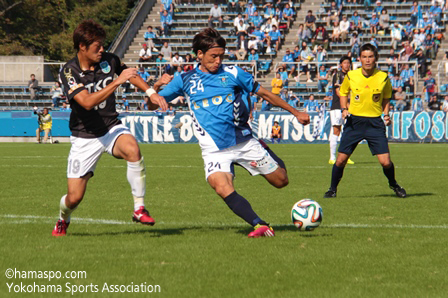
(367, 94)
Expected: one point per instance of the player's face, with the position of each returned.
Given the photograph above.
(212, 59)
(368, 60)
(93, 52)
(345, 65)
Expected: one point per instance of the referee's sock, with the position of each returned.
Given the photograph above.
(390, 174)
(336, 176)
(241, 207)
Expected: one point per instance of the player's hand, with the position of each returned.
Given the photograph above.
(165, 79)
(303, 118)
(344, 114)
(128, 73)
(159, 100)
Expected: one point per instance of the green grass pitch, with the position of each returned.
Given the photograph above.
(370, 243)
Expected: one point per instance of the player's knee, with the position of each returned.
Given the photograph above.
(133, 153)
(281, 180)
(386, 164)
(74, 198)
(223, 190)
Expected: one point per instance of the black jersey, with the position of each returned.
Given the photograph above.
(99, 120)
(338, 78)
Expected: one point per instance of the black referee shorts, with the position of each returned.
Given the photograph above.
(357, 128)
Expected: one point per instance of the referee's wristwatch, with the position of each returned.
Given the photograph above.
(344, 109)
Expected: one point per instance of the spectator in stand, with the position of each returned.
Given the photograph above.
(300, 34)
(310, 23)
(422, 64)
(56, 94)
(252, 42)
(321, 55)
(333, 13)
(416, 13)
(278, 13)
(253, 56)
(65, 108)
(260, 38)
(445, 104)
(269, 11)
(417, 104)
(161, 63)
(33, 85)
(423, 23)
(256, 19)
(177, 61)
(407, 74)
(311, 104)
(367, 5)
(242, 48)
(215, 15)
(237, 20)
(250, 10)
(288, 14)
(438, 39)
(241, 29)
(406, 52)
(355, 44)
(296, 54)
(283, 75)
(321, 37)
(143, 74)
(233, 6)
(384, 21)
(392, 62)
(276, 84)
(400, 97)
(125, 103)
(267, 27)
(418, 38)
(178, 72)
(373, 41)
(167, 5)
(435, 12)
(408, 28)
(287, 59)
(232, 56)
(166, 51)
(335, 37)
(356, 22)
(188, 63)
(166, 20)
(397, 82)
(145, 54)
(378, 8)
(293, 100)
(429, 47)
(150, 38)
(434, 103)
(396, 35)
(429, 87)
(374, 21)
(322, 78)
(276, 21)
(344, 27)
(274, 38)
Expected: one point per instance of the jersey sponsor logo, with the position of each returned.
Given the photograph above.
(71, 80)
(98, 85)
(105, 67)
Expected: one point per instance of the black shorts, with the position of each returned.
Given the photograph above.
(356, 129)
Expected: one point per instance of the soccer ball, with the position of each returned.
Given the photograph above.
(306, 215)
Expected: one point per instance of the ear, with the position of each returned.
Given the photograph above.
(200, 54)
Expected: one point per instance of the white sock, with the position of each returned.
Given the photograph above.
(65, 212)
(333, 146)
(137, 179)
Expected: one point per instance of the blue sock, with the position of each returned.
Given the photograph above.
(390, 174)
(241, 207)
(336, 176)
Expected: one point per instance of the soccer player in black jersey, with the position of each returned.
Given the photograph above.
(89, 85)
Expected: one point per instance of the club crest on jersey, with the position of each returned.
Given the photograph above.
(357, 97)
(105, 67)
(376, 97)
(224, 80)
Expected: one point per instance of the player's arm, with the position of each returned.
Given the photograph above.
(275, 100)
(387, 94)
(343, 96)
(156, 100)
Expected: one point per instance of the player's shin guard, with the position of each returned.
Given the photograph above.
(336, 176)
(390, 174)
(333, 146)
(136, 175)
(65, 211)
(241, 207)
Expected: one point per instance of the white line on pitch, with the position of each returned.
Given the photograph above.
(25, 219)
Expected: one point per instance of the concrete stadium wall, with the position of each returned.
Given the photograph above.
(21, 71)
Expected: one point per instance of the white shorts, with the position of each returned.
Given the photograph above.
(336, 117)
(85, 153)
(250, 155)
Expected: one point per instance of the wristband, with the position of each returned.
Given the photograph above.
(344, 109)
(150, 92)
(386, 116)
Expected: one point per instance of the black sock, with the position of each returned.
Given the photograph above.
(241, 207)
(390, 174)
(336, 176)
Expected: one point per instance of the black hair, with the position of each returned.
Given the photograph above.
(206, 39)
(87, 33)
(345, 57)
(369, 47)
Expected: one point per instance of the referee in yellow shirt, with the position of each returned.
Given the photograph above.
(371, 91)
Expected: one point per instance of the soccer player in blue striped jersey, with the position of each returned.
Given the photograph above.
(219, 101)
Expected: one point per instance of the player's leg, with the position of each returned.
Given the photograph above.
(334, 143)
(126, 147)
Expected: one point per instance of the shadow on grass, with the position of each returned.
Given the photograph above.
(392, 195)
(289, 228)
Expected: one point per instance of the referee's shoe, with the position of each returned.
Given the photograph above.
(399, 191)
